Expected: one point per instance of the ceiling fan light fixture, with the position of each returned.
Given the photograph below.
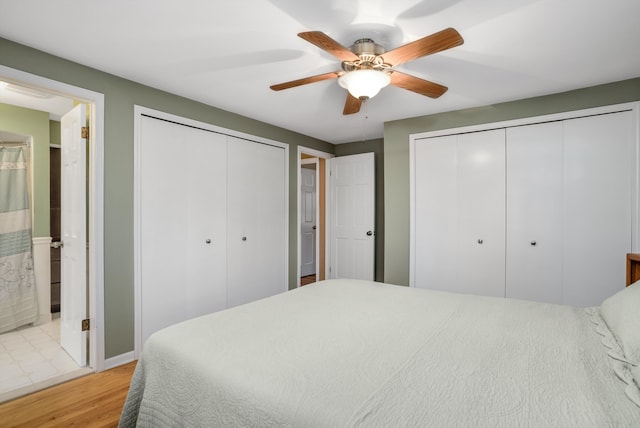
(364, 84)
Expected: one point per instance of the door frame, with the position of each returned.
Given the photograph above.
(327, 202)
(316, 162)
(95, 220)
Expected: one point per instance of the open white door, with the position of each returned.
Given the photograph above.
(353, 217)
(73, 293)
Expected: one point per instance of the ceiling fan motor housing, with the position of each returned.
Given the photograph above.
(369, 53)
(366, 47)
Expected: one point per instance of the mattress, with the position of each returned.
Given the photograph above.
(364, 354)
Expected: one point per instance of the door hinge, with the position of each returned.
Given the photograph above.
(85, 325)
(84, 133)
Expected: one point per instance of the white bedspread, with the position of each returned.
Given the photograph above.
(354, 353)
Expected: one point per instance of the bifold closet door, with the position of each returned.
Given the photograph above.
(535, 212)
(481, 213)
(460, 213)
(182, 223)
(436, 213)
(599, 160)
(256, 230)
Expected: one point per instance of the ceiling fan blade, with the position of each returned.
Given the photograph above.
(304, 81)
(352, 105)
(437, 42)
(326, 43)
(417, 85)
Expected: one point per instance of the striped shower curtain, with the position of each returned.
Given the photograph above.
(18, 295)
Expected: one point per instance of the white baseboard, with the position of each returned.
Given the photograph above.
(119, 360)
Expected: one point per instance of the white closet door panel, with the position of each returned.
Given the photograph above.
(205, 219)
(534, 212)
(256, 221)
(436, 213)
(597, 230)
(182, 203)
(481, 211)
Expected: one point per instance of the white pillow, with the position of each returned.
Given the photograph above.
(621, 312)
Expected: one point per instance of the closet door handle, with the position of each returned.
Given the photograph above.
(533, 243)
(480, 241)
(244, 238)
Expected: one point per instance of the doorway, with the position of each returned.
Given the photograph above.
(93, 208)
(312, 218)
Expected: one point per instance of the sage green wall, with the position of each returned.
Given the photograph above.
(396, 153)
(120, 97)
(24, 121)
(55, 132)
(377, 147)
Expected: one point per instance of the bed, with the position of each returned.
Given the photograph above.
(345, 353)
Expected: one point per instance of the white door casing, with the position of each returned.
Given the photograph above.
(323, 211)
(73, 293)
(308, 221)
(353, 217)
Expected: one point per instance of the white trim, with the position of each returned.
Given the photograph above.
(139, 111)
(119, 360)
(634, 107)
(316, 162)
(96, 197)
(528, 120)
(327, 204)
(412, 211)
(635, 185)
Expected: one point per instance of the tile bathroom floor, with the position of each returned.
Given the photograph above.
(31, 355)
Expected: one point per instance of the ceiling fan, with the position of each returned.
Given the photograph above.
(366, 67)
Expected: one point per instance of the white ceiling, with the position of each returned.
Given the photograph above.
(227, 54)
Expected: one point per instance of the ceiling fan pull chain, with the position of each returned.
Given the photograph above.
(365, 116)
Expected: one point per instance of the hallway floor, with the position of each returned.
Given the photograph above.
(32, 355)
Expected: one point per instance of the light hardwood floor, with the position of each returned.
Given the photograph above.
(95, 400)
